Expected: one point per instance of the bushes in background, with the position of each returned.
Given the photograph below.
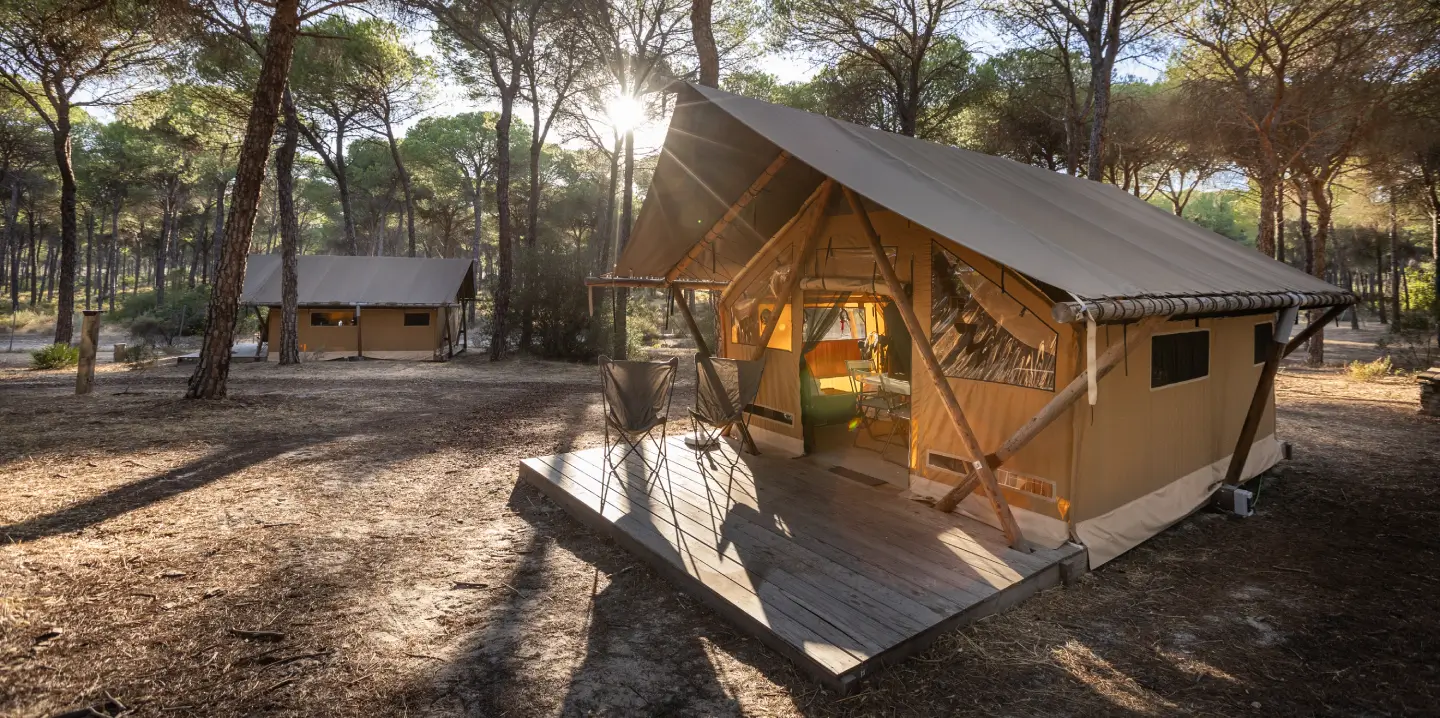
(55, 356)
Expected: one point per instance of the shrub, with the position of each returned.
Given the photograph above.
(1369, 371)
(55, 356)
(1409, 341)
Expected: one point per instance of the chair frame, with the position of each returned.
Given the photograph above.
(708, 435)
(633, 440)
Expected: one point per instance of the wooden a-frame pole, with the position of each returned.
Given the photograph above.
(1057, 406)
(787, 292)
(1279, 348)
(1312, 327)
(942, 386)
(730, 214)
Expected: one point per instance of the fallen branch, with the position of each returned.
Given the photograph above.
(257, 635)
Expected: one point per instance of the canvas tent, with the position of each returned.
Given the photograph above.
(371, 307)
(1081, 365)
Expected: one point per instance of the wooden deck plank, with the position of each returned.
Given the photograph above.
(935, 587)
(1007, 566)
(800, 642)
(978, 574)
(822, 597)
(839, 578)
(898, 614)
(962, 531)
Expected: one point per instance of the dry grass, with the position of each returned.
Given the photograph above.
(370, 513)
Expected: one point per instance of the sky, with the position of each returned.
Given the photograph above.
(787, 67)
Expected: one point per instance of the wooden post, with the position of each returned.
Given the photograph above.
(1058, 405)
(787, 292)
(822, 194)
(1263, 388)
(942, 385)
(89, 338)
(730, 215)
(1311, 328)
(679, 296)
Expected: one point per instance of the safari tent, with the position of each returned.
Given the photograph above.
(1081, 366)
(368, 307)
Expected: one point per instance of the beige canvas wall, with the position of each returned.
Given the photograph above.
(382, 332)
(1137, 440)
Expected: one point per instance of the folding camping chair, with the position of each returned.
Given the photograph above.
(723, 388)
(636, 398)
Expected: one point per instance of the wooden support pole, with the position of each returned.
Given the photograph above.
(942, 385)
(1274, 352)
(1072, 393)
(787, 292)
(822, 192)
(1312, 327)
(679, 295)
(730, 214)
(89, 338)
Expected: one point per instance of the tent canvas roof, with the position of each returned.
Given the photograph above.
(370, 281)
(1090, 239)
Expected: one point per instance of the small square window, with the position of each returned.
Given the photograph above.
(1176, 358)
(1264, 332)
(333, 319)
(417, 319)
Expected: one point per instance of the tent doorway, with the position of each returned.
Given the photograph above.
(854, 383)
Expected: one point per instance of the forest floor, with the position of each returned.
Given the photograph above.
(351, 539)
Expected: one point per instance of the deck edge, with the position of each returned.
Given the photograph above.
(844, 683)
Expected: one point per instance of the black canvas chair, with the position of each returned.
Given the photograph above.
(636, 400)
(723, 388)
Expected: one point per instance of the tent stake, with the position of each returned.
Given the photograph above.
(942, 385)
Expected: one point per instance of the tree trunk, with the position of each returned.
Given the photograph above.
(114, 260)
(161, 251)
(65, 311)
(704, 32)
(1101, 71)
(12, 238)
(627, 206)
(1280, 221)
(218, 229)
(1306, 235)
(477, 206)
(499, 326)
(532, 231)
(1315, 245)
(289, 235)
(342, 183)
(1265, 233)
(1394, 259)
(404, 184)
(89, 253)
(211, 373)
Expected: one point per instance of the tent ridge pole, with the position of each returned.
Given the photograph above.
(921, 341)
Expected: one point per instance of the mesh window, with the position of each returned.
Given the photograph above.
(332, 319)
(1175, 358)
(1264, 333)
(417, 319)
(979, 331)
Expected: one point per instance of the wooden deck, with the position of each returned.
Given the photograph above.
(839, 577)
